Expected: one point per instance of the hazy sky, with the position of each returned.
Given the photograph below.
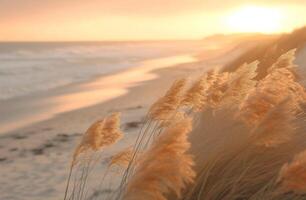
(144, 19)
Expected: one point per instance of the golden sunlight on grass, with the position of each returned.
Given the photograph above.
(245, 140)
(255, 19)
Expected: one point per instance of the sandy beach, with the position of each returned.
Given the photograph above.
(152, 100)
(39, 153)
(35, 158)
(27, 110)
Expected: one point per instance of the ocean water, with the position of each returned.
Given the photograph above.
(27, 67)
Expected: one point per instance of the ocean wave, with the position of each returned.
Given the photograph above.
(33, 67)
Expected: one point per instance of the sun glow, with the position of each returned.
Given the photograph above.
(255, 19)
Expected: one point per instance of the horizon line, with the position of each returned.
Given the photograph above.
(145, 40)
(141, 40)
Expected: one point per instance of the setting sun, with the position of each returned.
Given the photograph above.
(255, 19)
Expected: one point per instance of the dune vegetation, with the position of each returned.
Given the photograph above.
(268, 50)
(226, 135)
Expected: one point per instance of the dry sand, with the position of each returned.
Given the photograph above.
(34, 160)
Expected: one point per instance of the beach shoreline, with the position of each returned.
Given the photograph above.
(28, 110)
(40, 153)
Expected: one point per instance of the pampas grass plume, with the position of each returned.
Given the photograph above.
(163, 109)
(275, 87)
(195, 95)
(111, 132)
(179, 116)
(122, 158)
(284, 61)
(241, 82)
(165, 167)
(276, 127)
(100, 134)
(217, 87)
(293, 176)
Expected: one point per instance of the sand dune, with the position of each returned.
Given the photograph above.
(268, 51)
(247, 139)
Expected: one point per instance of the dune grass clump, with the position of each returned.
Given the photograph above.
(164, 167)
(98, 136)
(225, 136)
(246, 144)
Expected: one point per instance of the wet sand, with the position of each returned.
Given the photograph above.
(24, 111)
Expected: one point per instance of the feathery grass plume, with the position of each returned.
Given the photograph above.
(90, 139)
(122, 158)
(100, 134)
(292, 177)
(212, 75)
(276, 127)
(165, 167)
(166, 105)
(296, 90)
(270, 91)
(241, 82)
(195, 95)
(284, 61)
(259, 101)
(218, 86)
(111, 132)
(179, 116)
